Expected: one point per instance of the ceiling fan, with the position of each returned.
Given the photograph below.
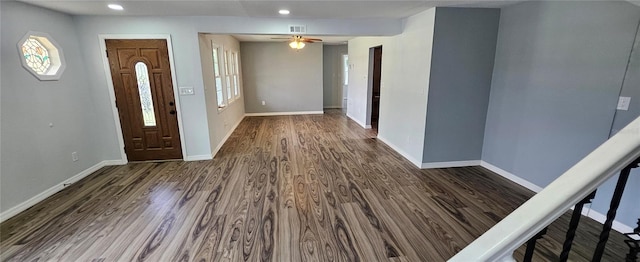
(298, 42)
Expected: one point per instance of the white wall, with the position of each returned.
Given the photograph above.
(406, 65)
(36, 158)
(332, 72)
(358, 93)
(287, 80)
(221, 122)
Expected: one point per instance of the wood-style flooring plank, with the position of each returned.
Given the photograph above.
(282, 188)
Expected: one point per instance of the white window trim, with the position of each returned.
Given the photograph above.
(225, 103)
(56, 54)
(228, 67)
(236, 74)
(227, 77)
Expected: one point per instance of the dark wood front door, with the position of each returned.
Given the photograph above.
(141, 76)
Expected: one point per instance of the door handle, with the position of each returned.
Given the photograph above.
(171, 103)
(173, 112)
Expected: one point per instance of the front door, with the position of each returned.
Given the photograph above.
(141, 76)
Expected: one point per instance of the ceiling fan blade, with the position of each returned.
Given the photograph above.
(313, 39)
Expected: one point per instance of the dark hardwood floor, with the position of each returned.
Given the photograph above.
(286, 188)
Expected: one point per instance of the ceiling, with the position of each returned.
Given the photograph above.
(300, 9)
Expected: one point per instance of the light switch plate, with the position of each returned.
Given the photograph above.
(623, 103)
(186, 91)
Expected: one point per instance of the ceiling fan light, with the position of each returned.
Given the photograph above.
(300, 45)
(294, 45)
(115, 7)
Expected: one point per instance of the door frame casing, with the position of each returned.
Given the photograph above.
(370, 73)
(370, 62)
(112, 95)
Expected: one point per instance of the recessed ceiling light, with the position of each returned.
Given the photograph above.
(115, 7)
(284, 12)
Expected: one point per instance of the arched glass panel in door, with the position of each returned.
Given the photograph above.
(144, 89)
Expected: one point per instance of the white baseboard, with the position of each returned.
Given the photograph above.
(115, 162)
(516, 179)
(286, 113)
(363, 125)
(224, 140)
(9, 213)
(198, 157)
(450, 164)
(595, 215)
(333, 107)
(401, 152)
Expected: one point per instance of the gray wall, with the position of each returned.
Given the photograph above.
(287, 80)
(464, 45)
(630, 88)
(79, 105)
(36, 157)
(184, 37)
(629, 209)
(332, 75)
(558, 72)
(221, 122)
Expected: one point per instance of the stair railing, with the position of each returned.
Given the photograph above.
(574, 186)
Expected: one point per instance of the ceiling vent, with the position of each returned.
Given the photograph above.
(297, 29)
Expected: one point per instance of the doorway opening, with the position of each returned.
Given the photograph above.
(375, 74)
(345, 81)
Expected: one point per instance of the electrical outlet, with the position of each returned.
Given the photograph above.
(263, 103)
(623, 103)
(74, 156)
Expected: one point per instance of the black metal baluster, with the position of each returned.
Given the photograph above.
(573, 225)
(531, 245)
(633, 242)
(613, 208)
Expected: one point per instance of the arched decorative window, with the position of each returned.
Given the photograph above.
(41, 56)
(144, 89)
